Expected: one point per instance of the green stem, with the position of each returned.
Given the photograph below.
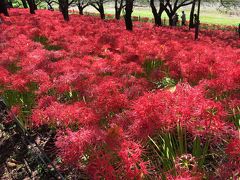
(181, 139)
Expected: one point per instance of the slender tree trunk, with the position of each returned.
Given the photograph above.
(24, 4)
(191, 23)
(198, 21)
(117, 14)
(156, 16)
(65, 13)
(3, 8)
(161, 10)
(50, 6)
(160, 16)
(170, 16)
(101, 11)
(31, 6)
(118, 10)
(35, 5)
(239, 30)
(63, 7)
(128, 15)
(10, 4)
(80, 8)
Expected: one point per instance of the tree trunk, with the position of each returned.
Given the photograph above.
(128, 15)
(191, 23)
(31, 6)
(197, 21)
(80, 8)
(239, 30)
(63, 7)
(101, 11)
(161, 10)
(50, 7)
(118, 10)
(24, 3)
(3, 8)
(10, 4)
(156, 16)
(65, 13)
(35, 6)
(160, 16)
(117, 14)
(170, 16)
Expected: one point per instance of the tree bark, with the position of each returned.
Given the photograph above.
(171, 8)
(101, 11)
(239, 30)
(3, 8)
(24, 3)
(170, 16)
(117, 14)
(156, 16)
(118, 10)
(99, 7)
(10, 5)
(191, 23)
(50, 6)
(197, 21)
(35, 5)
(161, 10)
(128, 15)
(31, 5)
(63, 7)
(65, 13)
(80, 9)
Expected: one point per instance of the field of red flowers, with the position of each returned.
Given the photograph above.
(147, 104)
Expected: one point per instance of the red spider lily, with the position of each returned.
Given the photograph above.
(92, 85)
(62, 114)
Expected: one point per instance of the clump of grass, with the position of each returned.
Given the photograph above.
(150, 66)
(44, 41)
(13, 68)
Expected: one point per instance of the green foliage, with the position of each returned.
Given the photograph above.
(25, 100)
(69, 97)
(235, 116)
(166, 148)
(44, 41)
(150, 65)
(52, 47)
(41, 39)
(13, 68)
(165, 83)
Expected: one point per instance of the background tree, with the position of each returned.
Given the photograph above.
(191, 23)
(82, 4)
(24, 3)
(197, 20)
(157, 14)
(128, 14)
(173, 5)
(98, 5)
(32, 6)
(3, 7)
(63, 7)
(49, 3)
(119, 5)
(230, 3)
